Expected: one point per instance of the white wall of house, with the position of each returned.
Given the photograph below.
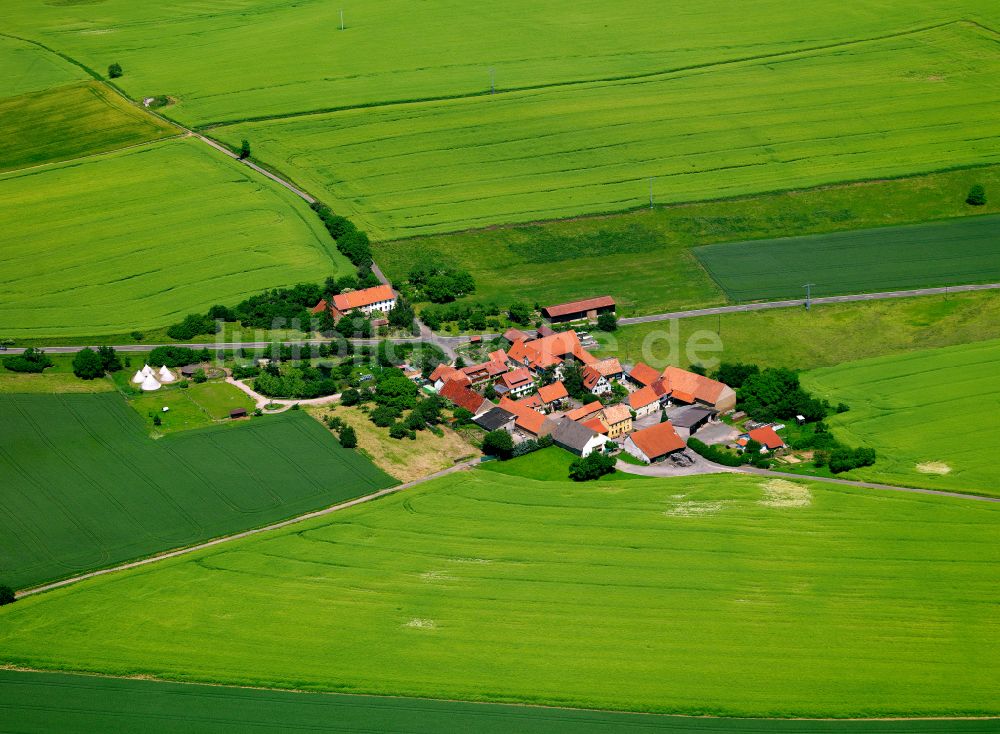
(631, 448)
(653, 407)
(593, 445)
(380, 306)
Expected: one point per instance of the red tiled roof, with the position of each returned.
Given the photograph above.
(320, 307)
(528, 419)
(458, 393)
(700, 387)
(445, 372)
(766, 436)
(684, 397)
(596, 425)
(564, 309)
(658, 440)
(498, 356)
(608, 367)
(518, 378)
(555, 391)
(642, 397)
(365, 297)
(590, 377)
(644, 374)
(616, 414)
(512, 335)
(586, 410)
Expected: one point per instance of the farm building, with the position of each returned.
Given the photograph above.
(458, 393)
(576, 437)
(515, 384)
(642, 375)
(529, 421)
(552, 395)
(655, 443)
(768, 439)
(497, 419)
(689, 419)
(585, 412)
(588, 309)
(238, 413)
(378, 299)
(644, 401)
(548, 351)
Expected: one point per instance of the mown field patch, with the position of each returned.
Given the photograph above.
(933, 415)
(863, 261)
(84, 487)
(765, 125)
(544, 592)
(75, 704)
(142, 237)
(69, 122)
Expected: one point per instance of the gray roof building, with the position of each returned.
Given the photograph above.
(495, 419)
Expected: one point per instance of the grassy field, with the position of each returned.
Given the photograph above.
(933, 416)
(226, 61)
(74, 704)
(406, 460)
(820, 601)
(548, 465)
(58, 378)
(85, 488)
(827, 335)
(140, 238)
(25, 67)
(813, 118)
(645, 258)
(893, 258)
(196, 406)
(69, 122)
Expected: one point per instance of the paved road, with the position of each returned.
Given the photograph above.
(801, 302)
(247, 533)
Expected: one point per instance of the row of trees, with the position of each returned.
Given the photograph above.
(31, 360)
(89, 364)
(351, 241)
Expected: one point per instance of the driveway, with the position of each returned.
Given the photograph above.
(668, 469)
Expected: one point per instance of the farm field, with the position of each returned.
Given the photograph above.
(931, 415)
(652, 595)
(547, 465)
(827, 335)
(644, 258)
(74, 704)
(85, 487)
(24, 67)
(186, 229)
(393, 50)
(813, 118)
(891, 258)
(69, 122)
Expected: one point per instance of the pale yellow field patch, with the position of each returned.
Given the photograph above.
(782, 493)
(934, 467)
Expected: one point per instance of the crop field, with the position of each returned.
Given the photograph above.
(395, 50)
(932, 415)
(891, 258)
(646, 595)
(25, 67)
(84, 487)
(892, 107)
(798, 339)
(140, 238)
(73, 704)
(69, 122)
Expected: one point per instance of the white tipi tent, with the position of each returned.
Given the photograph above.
(150, 383)
(147, 371)
(139, 377)
(166, 375)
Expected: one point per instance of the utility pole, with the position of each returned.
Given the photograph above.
(808, 287)
(341, 20)
(493, 80)
(650, 192)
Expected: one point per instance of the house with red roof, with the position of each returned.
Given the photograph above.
(444, 373)
(589, 309)
(618, 419)
(642, 375)
(768, 439)
(644, 401)
(599, 375)
(655, 443)
(585, 412)
(515, 384)
(461, 395)
(552, 395)
(378, 300)
(528, 420)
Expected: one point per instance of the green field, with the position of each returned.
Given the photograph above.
(84, 487)
(892, 258)
(913, 103)
(240, 58)
(644, 259)
(25, 67)
(58, 378)
(195, 406)
(548, 465)
(45, 702)
(654, 595)
(142, 237)
(69, 122)
(933, 416)
(799, 339)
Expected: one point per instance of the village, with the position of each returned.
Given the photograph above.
(636, 412)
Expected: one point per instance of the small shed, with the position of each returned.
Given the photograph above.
(238, 413)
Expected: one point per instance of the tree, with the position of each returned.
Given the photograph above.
(459, 362)
(499, 444)
(519, 313)
(244, 149)
(115, 70)
(977, 196)
(200, 376)
(402, 315)
(157, 420)
(31, 360)
(572, 379)
(463, 416)
(735, 374)
(348, 438)
(350, 397)
(591, 467)
(607, 322)
(7, 595)
(87, 364)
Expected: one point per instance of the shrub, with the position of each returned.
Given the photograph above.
(607, 322)
(87, 364)
(244, 149)
(200, 376)
(592, 467)
(137, 336)
(31, 360)
(735, 374)
(519, 313)
(7, 595)
(157, 420)
(525, 447)
(348, 438)
(463, 416)
(350, 397)
(499, 444)
(172, 356)
(115, 70)
(977, 196)
(398, 431)
(714, 453)
(384, 416)
(193, 325)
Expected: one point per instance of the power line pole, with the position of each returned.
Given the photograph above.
(808, 287)
(341, 20)
(493, 80)
(650, 192)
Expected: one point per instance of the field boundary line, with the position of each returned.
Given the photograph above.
(246, 533)
(580, 82)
